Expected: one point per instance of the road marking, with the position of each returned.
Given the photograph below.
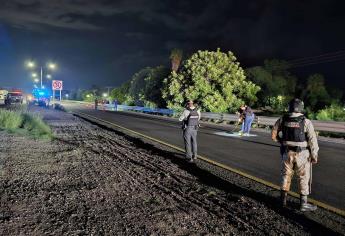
(256, 179)
(234, 134)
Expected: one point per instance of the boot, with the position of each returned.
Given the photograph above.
(283, 197)
(305, 206)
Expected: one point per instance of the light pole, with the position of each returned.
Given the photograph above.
(32, 65)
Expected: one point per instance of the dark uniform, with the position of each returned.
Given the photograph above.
(190, 123)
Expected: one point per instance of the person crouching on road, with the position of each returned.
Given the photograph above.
(247, 117)
(190, 123)
(299, 150)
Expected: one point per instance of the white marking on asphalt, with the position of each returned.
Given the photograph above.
(235, 134)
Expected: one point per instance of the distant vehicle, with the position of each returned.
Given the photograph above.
(3, 96)
(14, 97)
(40, 97)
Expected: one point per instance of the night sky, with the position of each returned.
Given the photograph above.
(105, 42)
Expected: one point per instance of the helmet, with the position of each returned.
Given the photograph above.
(296, 105)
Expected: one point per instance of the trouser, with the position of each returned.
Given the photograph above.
(247, 124)
(299, 162)
(190, 142)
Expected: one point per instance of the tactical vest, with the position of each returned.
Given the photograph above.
(193, 118)
(293, 131)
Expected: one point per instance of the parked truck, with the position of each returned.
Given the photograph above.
(14, 97)
(3, 96)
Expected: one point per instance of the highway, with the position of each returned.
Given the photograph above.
(256, 155)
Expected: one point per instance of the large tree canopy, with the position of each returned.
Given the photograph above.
(316, 96)
(214, 79)
(152, 91)
(144, 89)
(121, 93)
(278, 86)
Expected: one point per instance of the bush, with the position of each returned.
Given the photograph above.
(35, 125)
(334, 112)
(15, 121)
(10, 120)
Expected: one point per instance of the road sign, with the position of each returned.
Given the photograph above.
(57, 84)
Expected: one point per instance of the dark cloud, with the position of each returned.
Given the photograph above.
(107, 41)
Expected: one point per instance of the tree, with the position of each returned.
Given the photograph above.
(121, 93)
(89, 96)
(278, 86)
(214, 79)
(137, 86)
(153, 86)
(176, 58)
(316, 96)
(145, 87)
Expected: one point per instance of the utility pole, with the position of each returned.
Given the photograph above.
(41, 77)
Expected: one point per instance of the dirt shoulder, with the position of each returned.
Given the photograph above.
(91, 180)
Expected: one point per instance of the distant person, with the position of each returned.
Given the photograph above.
(115, 104)
(247, 118)
(299, 150)
(190, 123)
(96, 104)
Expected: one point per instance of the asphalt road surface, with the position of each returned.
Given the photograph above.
(256, 155)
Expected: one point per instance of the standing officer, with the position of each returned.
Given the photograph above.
(190, 124)
(299, 150)
(96, 104)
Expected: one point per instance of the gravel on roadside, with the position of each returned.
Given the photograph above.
(92, 180)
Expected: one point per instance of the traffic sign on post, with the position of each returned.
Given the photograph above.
(57, 84)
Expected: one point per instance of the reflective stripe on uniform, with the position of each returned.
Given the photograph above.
(295, 144)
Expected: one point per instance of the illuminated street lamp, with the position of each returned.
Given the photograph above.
(36, 80)
(88, 95)
(50, 66)
(105, 95)
(30, 64)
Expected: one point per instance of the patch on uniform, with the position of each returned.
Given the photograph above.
(292, 124)
(234, 134)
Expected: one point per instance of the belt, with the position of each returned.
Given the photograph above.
(295, 149)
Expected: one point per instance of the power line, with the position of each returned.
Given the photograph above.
(319, 60)
(321, 56)
(314, 60)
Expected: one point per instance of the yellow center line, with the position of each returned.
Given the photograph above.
(223, 166)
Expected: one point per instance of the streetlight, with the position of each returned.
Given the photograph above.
(66, 95)
(36, 80)
(30, 64)
(105, 95)
(50, 65)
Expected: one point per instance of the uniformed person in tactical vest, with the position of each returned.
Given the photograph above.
(190, 123)
(299, 150)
